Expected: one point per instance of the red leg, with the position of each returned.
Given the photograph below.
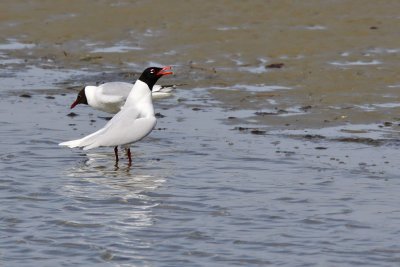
(116, 153)
(128, 152)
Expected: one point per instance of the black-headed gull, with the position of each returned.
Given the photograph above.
(132, 123)
(110, 97)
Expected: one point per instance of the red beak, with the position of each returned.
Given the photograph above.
(165, 71)
(74, 104)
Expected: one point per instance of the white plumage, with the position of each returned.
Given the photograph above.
(132, 123)
(135, 120)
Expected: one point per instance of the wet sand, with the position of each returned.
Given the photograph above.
(338, 56)
(280, 149)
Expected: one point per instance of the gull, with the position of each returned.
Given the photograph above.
(133, 122)
(110, 97)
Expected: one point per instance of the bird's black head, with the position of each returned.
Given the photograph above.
(151, 75)
(80, 99)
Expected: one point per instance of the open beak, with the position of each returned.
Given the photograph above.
(165, 71)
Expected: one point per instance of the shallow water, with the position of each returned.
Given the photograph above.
(249, 165)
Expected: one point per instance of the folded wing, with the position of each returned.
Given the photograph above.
(126, 127)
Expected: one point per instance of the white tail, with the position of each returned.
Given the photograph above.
(87, 141)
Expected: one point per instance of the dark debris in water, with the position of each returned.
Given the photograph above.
(286, 153)
(72, 114)
(25, 95)
(239, 128)
(50, 97)
(105, 118)
(262, 113)
(258, 132)
(386, 124)
(306, 108)
(278, 112)
(255, 131)
(313, 137)
(159, 115)
(353, 131)
(275, 66)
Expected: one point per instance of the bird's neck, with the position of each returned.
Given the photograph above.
(140, 91)
(139, 95)
(90, 92)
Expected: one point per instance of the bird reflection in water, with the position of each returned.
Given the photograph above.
(114, 194)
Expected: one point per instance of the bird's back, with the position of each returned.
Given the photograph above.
(116, 89)
(108, 97)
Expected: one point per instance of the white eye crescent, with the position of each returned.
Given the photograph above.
(152, 71)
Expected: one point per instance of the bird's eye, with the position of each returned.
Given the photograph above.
(152, 71)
